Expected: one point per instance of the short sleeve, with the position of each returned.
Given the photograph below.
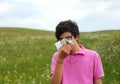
(98, 68)
(53, 64)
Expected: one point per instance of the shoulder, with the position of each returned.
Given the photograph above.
(91, 52)
(88, 52)
(55, 56)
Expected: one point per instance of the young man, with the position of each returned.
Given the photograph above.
(72, 63)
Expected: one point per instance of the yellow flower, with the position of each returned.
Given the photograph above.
(6, 78)
(15, 81)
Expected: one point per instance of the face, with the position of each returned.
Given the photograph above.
(68, 36)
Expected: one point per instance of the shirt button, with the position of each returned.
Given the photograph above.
(72, 59)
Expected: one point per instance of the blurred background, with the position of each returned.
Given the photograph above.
(91, 15)
(27, 37)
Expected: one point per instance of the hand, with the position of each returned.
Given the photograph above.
(64, 51)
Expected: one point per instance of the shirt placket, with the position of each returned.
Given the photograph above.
(72, 59)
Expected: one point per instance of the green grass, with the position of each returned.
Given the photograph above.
(25, 54)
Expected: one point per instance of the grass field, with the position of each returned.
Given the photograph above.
(25, 54)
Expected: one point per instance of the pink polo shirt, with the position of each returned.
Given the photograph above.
(81, 67)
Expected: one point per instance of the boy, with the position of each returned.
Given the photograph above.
(72, 63)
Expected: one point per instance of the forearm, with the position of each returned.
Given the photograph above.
(98, 81)
(57, 75)
(63, 53)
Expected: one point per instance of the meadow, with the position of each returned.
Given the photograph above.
(25, 54)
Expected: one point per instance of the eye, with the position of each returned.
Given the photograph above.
(69, 37)
(60, 39)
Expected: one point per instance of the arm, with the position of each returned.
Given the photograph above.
(57, 75)
(98, 70)
(63, 53)
(98, 81)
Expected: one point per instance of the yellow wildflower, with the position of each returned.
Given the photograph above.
(6, 78)
(15, 81)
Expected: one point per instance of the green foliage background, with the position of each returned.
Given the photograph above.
(25, 54)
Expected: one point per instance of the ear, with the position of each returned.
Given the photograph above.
(76, 38)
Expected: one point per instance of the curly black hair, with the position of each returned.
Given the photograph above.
(67, 26)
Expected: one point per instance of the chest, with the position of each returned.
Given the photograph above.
(78, 64)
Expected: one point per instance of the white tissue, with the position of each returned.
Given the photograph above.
(59, 44)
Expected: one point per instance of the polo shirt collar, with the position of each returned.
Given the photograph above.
(81, 51)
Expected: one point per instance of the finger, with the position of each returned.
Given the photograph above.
(62, 48)
(68, 47)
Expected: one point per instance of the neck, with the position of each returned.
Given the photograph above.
(75, 49)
